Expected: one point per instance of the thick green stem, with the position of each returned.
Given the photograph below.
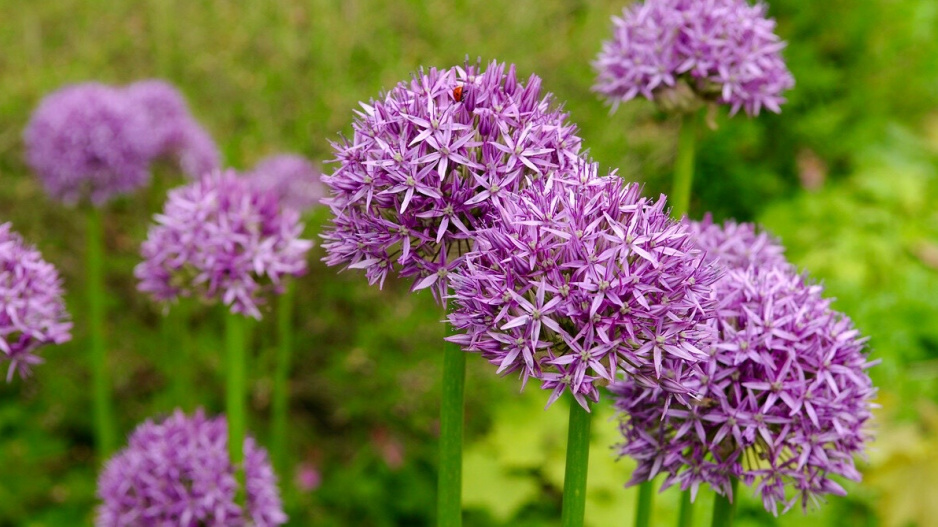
(236, 392)
(449, 485)
(686, 516)
(282, 379)
(684, 166)
(724, 510)
(578, 455)
(103, 411)
(646, 495)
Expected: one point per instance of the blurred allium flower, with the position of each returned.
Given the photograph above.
(293, 178)
(32, 312)
(224, 239)
(722, 50)
(172, 131)
(428, 162)
(178, 473)
(85, 142)
(581, 280)
(783, 398)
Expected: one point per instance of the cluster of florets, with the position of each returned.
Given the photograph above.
(32, 312)
(681, 51)
(582, 280)
(428, 162)
(782, 401)
(178, 472)
(294, 180)
(172, 129)
(226, 240)
(736, 245)
(92, 141)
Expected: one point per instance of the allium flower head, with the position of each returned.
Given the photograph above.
(172, 131)
(178, 473)
(783, 398)
(736, 245)
(32, 312)
(224, 239)
(294, 180)
(720, 50)
(86, 142)
(428, 162)
(582, 280)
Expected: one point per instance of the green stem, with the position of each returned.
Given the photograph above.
(449, 485)
(578, 454)
(236, 392)
(684, 166)
(282, 379)
(646, 495)
(686, 516)
(724, 510)
(102, 405)
(175, 343)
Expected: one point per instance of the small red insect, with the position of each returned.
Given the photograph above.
(457, 93)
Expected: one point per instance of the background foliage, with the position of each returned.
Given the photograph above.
(846, 176)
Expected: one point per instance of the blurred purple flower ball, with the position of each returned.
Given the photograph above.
(783, 399)
(85, 142)
(294, 180)
(721, 50)
(172, 131)
(93, 142)
(580, 281)
(32, 311)
(223, 239)
(429, 161)
(177, 472)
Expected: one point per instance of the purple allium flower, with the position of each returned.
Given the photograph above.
(581, 280)
(783, 398)
(32, 312)
(736, 245)
(428, 162)
(224, 239)
(178, 473)
(292, 178)
(84, 142)
(721, 50)
(172, 131)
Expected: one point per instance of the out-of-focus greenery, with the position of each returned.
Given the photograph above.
(285, 75)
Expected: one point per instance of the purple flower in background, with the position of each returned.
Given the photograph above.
(32, 312)
(720, 50)
(84, 142)
(736, 245)
(172, 131)
(580, 280)
(428, 162)
(292, 178)
(783, 398)
(224, 239)
(178, 473)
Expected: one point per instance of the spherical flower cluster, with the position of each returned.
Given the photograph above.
(172, 130)
(582, 280)
(32, 312)
(92, 141)
(428, 162)
(292, 178)
(84, 142)
(782, 401)
(178, 473)
(736, 245)
(224, 239)
(720, 50)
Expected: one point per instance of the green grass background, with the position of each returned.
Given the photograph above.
(285, 75)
